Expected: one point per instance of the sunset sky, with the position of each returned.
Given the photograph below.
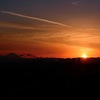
(50, 28)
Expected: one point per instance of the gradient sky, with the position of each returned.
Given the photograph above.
(50, 28)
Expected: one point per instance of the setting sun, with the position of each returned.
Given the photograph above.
(84, 56)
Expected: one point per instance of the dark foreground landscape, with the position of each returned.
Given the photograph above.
(48, 78)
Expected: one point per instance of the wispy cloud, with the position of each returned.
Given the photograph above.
(30, 26)
(34, 18)
(75, 3)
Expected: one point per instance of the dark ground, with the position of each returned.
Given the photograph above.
(48, 78)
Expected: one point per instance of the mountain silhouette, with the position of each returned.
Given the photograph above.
(13, 56)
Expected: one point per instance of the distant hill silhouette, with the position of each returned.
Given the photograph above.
(27, 56)
(13, 56)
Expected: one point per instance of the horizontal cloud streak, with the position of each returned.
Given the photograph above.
(29, 26)
(34, 18)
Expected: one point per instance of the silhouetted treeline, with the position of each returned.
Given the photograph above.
(48, 78)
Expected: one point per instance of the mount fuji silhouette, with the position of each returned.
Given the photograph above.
(13, 56)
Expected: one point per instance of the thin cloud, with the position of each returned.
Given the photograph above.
(34, 18)
(75, 3)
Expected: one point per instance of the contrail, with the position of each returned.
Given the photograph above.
(34, 18)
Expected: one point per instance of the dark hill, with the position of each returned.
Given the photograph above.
(13, 56)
